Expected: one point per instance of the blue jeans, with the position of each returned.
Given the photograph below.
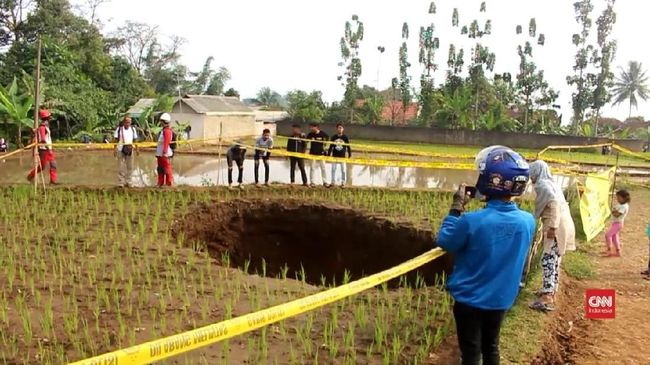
(335, 166)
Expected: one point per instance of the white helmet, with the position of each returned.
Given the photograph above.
(165, 118)
(481, 157)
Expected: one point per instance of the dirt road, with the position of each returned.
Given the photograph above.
(623, 340)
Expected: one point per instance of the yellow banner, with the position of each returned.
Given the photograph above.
(595, 200)
(191, 340)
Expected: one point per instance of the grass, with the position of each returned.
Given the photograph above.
(585, 156)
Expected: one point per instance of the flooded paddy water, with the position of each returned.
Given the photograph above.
(99, 168)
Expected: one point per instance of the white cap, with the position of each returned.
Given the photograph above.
(165, 117)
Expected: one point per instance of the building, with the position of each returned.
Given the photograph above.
(140, 107)
(212, 117)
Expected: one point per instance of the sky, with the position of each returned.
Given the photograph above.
(294, 44)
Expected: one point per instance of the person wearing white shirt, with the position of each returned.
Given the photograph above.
(125, 136)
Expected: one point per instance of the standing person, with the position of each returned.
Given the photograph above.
(236, 153)
(164, 152)
(125, 136)
(263, 145)
(296, 144)
(490, 248)
(558, 230)
(317, 148)
(45, 152)
(3, 145)
(619, 212)
(338, 148)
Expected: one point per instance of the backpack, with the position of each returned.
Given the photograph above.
(172, 145)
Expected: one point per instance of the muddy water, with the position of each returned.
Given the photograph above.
(100, 168)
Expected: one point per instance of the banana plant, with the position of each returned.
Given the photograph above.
(16, 108)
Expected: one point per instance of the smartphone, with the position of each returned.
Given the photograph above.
(471, 191)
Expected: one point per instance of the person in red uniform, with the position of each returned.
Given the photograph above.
(164, 152)
(45, 153)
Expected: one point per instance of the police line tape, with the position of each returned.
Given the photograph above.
(191, 340)
(20, 150)
(362, 147)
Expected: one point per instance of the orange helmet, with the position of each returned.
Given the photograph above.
(44, 114)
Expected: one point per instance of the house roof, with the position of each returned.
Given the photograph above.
(207, 104)
(140, 106)
(394, 110)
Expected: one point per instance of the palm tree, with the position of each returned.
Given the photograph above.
(631, 84)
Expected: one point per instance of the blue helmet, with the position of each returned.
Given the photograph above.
(502, 172)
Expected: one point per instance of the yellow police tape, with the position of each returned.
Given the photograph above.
(191, 340)
(10, 154)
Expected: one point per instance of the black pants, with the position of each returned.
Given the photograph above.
(293, 161)
(478, 334)
(240, 166)
(265, 159)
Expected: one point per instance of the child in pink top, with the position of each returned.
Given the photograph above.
(619, 212)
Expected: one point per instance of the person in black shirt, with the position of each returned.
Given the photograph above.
(297, 145)
(317, 148)
(237, 154)
(339, 147)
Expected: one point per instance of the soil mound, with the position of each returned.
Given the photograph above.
(270, 236)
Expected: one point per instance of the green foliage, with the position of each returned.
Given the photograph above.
(352, 70)
(15, 108)
(582, 80)
(371, 112)
(306, 106)
(231, 93)
(532, 88)
(603, 61)
(269, 98)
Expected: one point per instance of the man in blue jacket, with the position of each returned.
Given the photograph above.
(490, 247)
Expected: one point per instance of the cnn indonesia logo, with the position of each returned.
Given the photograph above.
(600, 303)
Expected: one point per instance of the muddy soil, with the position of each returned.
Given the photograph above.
(270, 237)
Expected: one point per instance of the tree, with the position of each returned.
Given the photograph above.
(218, 82)
(372, 109)
(89, 10)
(404, 65)
(82, 82)
(136, 42)
(631, 85)
(306, 106)
(13, 14)
(350, 43)
(532, 88)
(269, 98)
(603, 61)
(231, 93)
(428, 47)
(481, 57)
(15, 108)
(582, 80)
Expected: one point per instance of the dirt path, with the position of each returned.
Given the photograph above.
(625, 339)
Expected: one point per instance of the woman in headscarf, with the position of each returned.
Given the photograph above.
(558, 230)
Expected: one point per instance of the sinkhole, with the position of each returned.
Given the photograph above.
(321, 241)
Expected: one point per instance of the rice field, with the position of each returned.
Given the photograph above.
(86, 271)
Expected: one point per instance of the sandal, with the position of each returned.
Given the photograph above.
(542, 307)
(646, 273)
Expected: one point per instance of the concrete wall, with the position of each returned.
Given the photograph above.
(232, 126)
(459, 137)
(195, 120)
(208, 126)
(261, 126)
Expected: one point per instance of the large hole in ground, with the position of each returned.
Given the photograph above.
(323, 240)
